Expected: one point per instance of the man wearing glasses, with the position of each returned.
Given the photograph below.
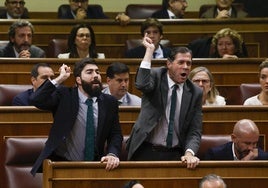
(171, 9)
(79, 9)
(14, 9)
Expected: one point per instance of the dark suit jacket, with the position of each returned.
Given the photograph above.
(3, 14)
(63, 102)
(202, 48)
(139, 52)
(8, 51)
(92, 13)
(22, 99)
(161, 14)
(212, 13)
(154, 85)
(224, 152)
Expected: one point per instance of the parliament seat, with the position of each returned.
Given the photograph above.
(248, 90)
(57, 46)
(141, 11)
(9, 91)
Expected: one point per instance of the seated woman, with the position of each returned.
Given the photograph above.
(81, 43)
(203, 78)
(226, 43)
(262, 97)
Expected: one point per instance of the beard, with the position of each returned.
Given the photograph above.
(90, 87)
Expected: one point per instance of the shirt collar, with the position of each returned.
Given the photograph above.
(171, 83)
(171, 14)
(235, 157)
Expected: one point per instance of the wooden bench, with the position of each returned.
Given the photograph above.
(236, 174)
(111, 37)
(20, 153)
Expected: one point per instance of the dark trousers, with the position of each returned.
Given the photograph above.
(150, 152)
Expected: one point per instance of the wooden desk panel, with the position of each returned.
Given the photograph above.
(110, 35)
(153, 174)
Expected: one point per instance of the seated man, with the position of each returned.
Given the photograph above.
(79, 9)
(118, 81)
(14, 9)
(20, 42)
(40, 72)
(171, 9)
(224, 9)
(245, 138)
(154, 30)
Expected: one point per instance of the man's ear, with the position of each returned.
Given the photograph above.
(78, 80)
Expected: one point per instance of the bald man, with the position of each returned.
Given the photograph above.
(245, 138)
(212, 181)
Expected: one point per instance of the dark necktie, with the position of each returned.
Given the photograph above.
(171, 115)
(154, 55)
(90, 132)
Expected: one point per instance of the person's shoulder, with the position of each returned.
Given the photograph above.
(209, 13)
(161, 14)
(252, 101)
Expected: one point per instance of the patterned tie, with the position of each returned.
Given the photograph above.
(90, 132)
(171, 116)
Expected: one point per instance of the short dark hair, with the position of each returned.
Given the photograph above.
(130, 184)
(116, 68)
(79, 66)
(34, 72)
(176, 50)
(151, 22)
(19, 24)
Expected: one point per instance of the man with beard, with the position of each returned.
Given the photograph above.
(244, 146)
(14, 9)
(67, 138)
(169, 125)
(224, 9)
(20, 42)
(171, 9)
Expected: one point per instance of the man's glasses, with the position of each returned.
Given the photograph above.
(14, 3)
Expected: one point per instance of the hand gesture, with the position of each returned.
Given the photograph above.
(147, 42)
(251, 155)
(223, 14)
(81, 14)
(24, 54)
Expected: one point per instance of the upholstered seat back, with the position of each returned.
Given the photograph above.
(19, 155)
(56, 47)
(9, 91)
(141, 11)
(249, 90)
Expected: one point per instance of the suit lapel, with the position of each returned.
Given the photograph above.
(101, 115)
(185, 103)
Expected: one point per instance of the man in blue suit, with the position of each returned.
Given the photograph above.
(245, 138)
(154, 30)
(67, 137)
(40, 73)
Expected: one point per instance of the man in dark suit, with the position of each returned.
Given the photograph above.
(14, 9)
(224, 9)
(79, 9)
(171, 9)
(40, 72)
(154, 29)
(245, 138)
(158, 135)
(20, 42)
(67, 137)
